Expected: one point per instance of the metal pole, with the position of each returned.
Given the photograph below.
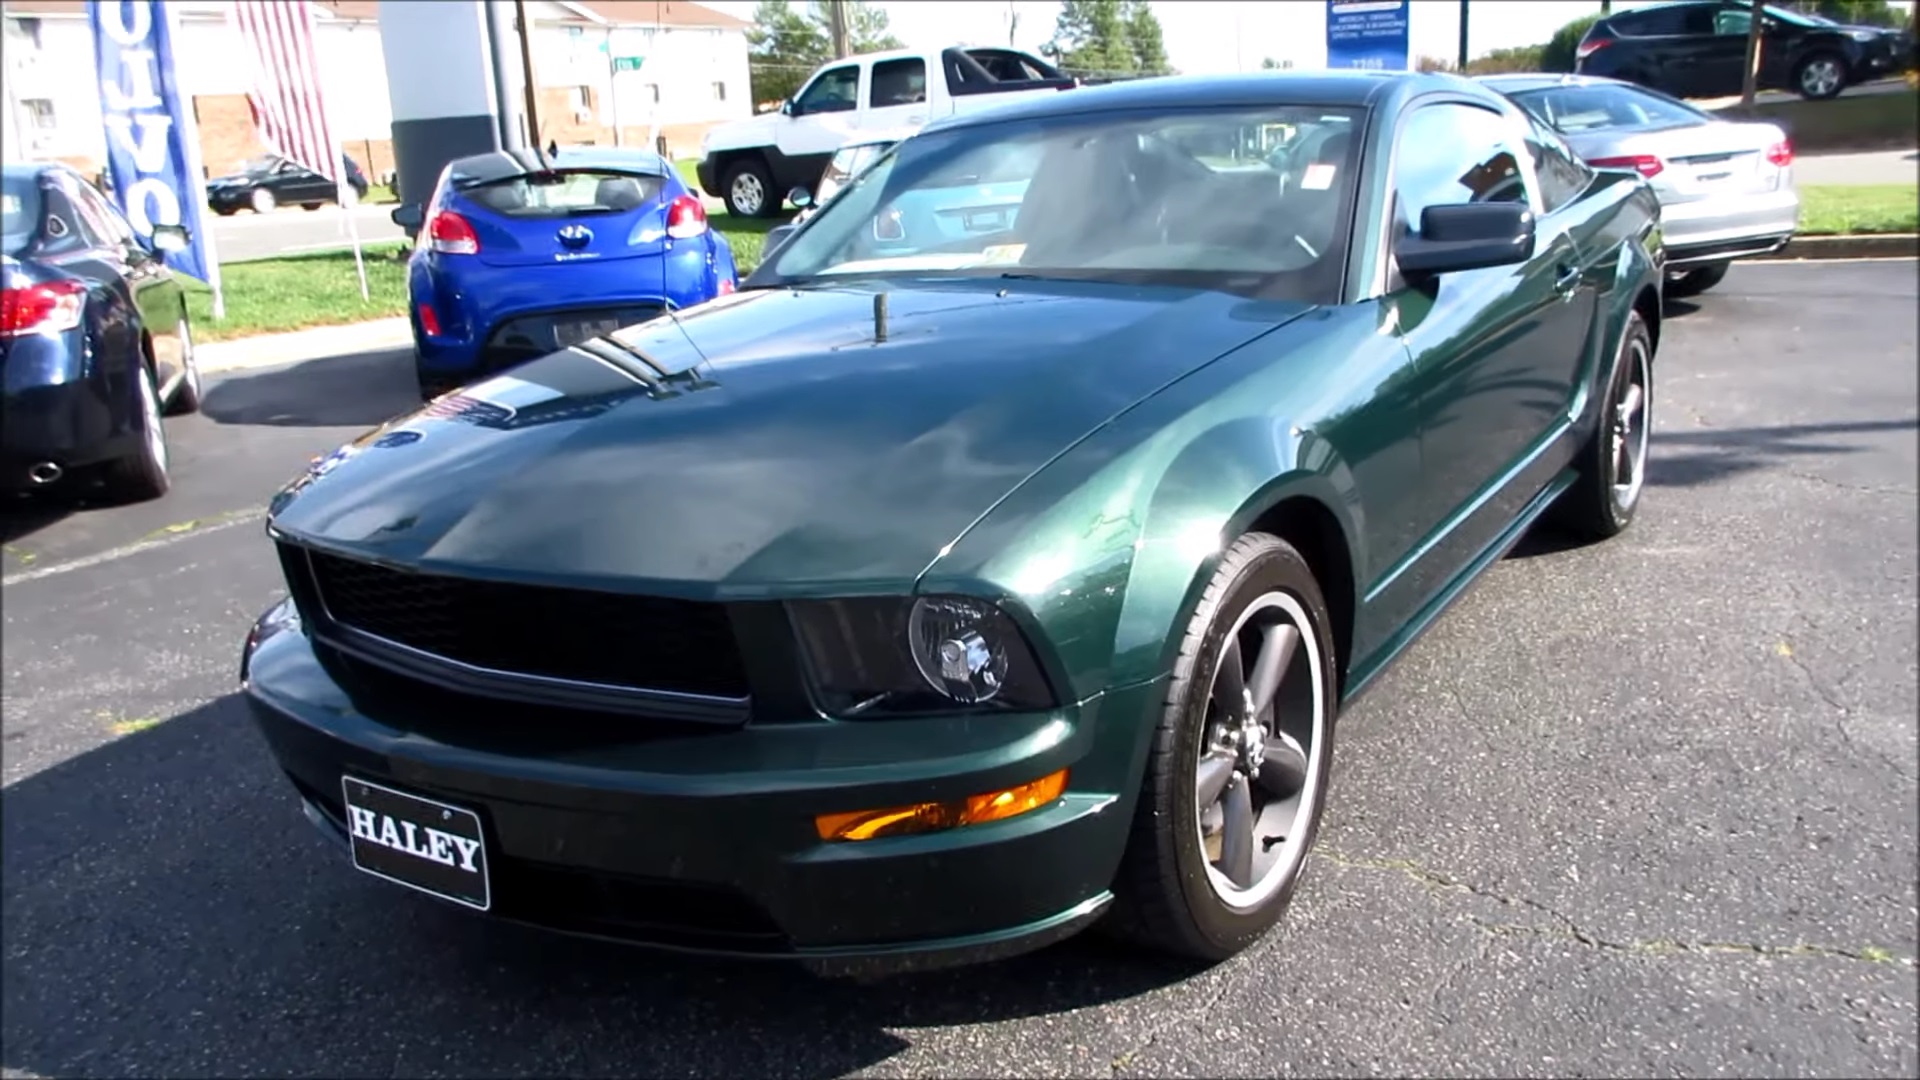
(613, 90)
(526, 66)
(837, 25)
(1463, 37)
(497, 31)
(1749, 83)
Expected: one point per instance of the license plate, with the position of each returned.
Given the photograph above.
(420, 843)
(572, 332)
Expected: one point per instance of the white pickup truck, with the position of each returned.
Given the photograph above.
(750, 163)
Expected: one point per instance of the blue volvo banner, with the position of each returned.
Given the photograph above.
(152, 148)
(1368, 34)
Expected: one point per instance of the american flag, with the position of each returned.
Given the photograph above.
(286, 100)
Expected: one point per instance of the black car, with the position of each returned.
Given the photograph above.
(94, 338)
(266, 182)
(1699, 49)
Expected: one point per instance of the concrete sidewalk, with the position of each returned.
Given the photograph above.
(272, 350)
(1874, 167)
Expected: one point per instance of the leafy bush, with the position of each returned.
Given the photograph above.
(1558, 53)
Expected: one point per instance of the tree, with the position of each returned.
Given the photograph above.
(1270, 64)
(1091, 37)
(1144, 38)
(1857, 12)
(1558, 54)
(867, 29)
(783, 48)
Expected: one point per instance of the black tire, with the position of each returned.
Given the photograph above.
(1592, 509)
(226, 211)
(738, 182)
(262, 201)
(1163, 895)
(142, 474)
(186, 396)
(1800, 75)
(1697, 280)
(311, 205)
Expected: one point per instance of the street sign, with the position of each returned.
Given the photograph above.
(628, 63)
(1367, 34)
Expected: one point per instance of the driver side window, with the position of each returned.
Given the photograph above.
(1454, 153)
(836, 90)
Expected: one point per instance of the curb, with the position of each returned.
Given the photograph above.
(272, 350)
(1881, 246)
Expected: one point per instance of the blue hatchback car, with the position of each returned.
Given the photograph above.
(518, 255)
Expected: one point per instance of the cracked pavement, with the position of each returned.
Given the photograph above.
(1644, 808)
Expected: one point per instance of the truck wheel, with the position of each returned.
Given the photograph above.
(749, 190)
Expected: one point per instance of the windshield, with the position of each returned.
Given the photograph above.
(1576, 109)
(1196, 197)
(20, 201)
(566, 193)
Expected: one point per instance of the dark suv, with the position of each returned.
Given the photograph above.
(1699, 48)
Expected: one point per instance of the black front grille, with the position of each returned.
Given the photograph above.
(581, 635)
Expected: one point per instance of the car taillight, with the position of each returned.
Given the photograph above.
(1590, 46)
(451, 234)
(727, 286)
(686, 218)
(48, 308)
(1645, 164)
(1781, 153)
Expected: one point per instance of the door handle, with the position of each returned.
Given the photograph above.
(1565, 277)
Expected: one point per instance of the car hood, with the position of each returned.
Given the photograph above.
(765, 443)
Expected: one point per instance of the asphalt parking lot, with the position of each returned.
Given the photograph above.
(1642, 808)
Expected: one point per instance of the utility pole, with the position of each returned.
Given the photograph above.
(1013, 23)
(1463, 37)
(526, 67)
(1606, 8)
(837, 25)
(1749, 84)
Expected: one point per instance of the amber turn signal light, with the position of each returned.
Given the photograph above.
(934, 816)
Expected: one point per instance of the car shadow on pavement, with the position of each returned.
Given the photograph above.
(24, 515)
(1709, 455)
(168, 911)
(361, 389)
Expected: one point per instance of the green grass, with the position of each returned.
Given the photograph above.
(746, 235)
(687, 173)
(1853, 122)
(1838, 210)
(380, 193)
(274, 295)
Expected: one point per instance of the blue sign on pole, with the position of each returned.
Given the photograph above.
(152, 151)
(1368, 34)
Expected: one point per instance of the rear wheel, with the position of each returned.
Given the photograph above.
(262, 201)
(311, 205)
(1602, 502)
(1236, 778)
(1697, 280)
(143, 475)
(749, 188)
(1820, 76)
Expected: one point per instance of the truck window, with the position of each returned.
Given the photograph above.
(898, 82)
(836, 89)
(1007, 66)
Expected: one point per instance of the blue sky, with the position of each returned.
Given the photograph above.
(1230, 35)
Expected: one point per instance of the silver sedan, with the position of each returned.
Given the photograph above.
(1725, 187)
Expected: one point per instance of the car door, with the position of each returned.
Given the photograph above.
(154, 290)
(1498, 349)
(824, 115)
(896, 94)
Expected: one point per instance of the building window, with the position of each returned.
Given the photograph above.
(719, 91)
(40, 111)
(583, 98)
(652, 90)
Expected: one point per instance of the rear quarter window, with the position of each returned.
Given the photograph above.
(567, 194)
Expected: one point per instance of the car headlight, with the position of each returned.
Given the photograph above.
(903, 655)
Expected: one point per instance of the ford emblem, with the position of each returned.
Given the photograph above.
(575, 236)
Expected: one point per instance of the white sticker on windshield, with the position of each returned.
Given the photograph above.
(1318, 177)
(1002, 254)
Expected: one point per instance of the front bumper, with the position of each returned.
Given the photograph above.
(704, 840)
(708, 177)
(1729, 227)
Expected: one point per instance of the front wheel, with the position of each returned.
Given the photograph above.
(142, 474)
(186, 398)
(749, 188)
(1601, 503)
(1236, 777)
(262, 201)
(1697, 280)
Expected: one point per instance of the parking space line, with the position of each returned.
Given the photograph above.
(125, 550)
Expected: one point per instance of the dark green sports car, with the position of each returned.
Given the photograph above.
(985, 567)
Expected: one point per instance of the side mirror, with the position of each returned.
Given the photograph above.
(788, 108)
(408, 216)
(800, 197)
(1466, 237)
(171, 238)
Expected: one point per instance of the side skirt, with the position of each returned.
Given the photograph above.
(1363, 676)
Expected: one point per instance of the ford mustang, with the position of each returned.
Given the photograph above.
(908, 608)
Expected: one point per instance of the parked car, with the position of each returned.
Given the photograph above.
(1698, 48)
(95, 342)
(749, 162)
(1726, 188)
(905, 609)
(517, 255)
(268, 181)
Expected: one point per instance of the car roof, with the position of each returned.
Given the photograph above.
(31, 168)
(501, 164)
(1514, 82)
(1329, 88)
